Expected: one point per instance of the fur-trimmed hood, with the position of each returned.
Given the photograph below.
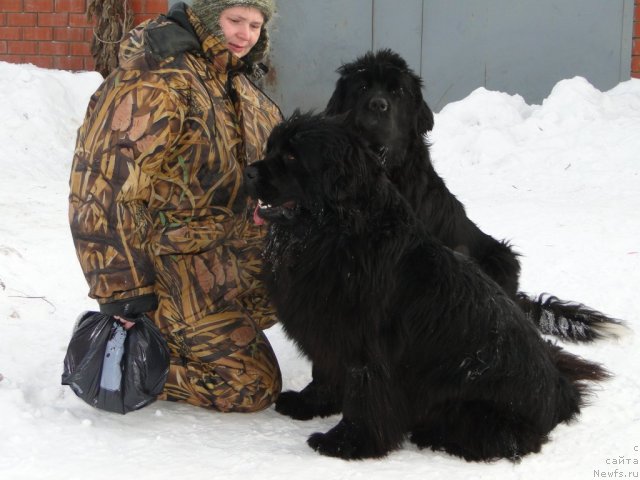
(178, 32)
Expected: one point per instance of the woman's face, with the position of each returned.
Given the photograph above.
(241, 27)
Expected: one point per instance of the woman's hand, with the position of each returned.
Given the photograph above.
(126, 323)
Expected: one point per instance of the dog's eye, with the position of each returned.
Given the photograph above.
(289, 158)
(363, 87)
(398, 92)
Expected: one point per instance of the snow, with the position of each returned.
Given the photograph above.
(560, 180)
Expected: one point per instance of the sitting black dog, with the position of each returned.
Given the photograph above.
(413, 339)
(383, 99)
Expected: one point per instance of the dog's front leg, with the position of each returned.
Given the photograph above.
(372, 423)
(321, 397)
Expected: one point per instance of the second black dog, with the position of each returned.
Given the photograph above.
(382, 98)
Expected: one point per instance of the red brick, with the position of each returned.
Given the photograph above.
(71, 6)
(88, 35)
(53, 48)
(79, 20)
(82, 49)
(68, 63)
(22, 48)
(10, 33)
(12, 58)
(53, 19)
(39, 6)
(39, 61)
(3, 19)
(68, 34)
(635, 66)
(12, 6)
(636, 47)
(3, 46)
(636, 28)
(156, 6)
(22, 19)
(137, 6)
(138, 19)
(37, 33)
(89, 64)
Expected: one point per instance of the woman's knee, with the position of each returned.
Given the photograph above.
(251, 378)
(229, 365)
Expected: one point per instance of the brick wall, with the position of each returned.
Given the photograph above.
(635, 56)
(56, 33)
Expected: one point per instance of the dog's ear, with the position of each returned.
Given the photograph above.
(341, 118)
(425, 121)
(336, 102)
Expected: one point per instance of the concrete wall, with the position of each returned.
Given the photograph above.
(516, 46)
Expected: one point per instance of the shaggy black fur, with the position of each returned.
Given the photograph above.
(383, 99)
(412, 339)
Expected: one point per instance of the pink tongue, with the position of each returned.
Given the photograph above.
(256, 217)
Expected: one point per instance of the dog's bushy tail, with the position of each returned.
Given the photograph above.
(569, 321)
(578, 374)
(576, 369)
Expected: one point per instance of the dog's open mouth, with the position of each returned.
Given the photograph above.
(274, 213)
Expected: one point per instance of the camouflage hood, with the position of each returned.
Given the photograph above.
(179, 32)
(209, 11)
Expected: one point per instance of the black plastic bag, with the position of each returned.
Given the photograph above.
(115, 369)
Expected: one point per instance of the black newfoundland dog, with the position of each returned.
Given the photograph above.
(383, 99)
(412, 338)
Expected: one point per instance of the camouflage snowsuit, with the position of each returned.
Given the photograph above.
(158, 216)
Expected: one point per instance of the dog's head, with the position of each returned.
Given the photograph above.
(313, 166)
(383, 99)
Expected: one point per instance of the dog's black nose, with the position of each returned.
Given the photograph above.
(378, 104)
(250, 173)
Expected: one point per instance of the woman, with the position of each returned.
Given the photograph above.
(159, 220)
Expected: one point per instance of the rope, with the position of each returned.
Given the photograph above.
(114, 20)
(125, 19)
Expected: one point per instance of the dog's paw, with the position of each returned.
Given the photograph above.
(346, 440)
(293, 405)
(304, 405)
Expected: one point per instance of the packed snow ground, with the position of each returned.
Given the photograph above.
(561, 180)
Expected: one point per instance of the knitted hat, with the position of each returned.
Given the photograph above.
(208, 11)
